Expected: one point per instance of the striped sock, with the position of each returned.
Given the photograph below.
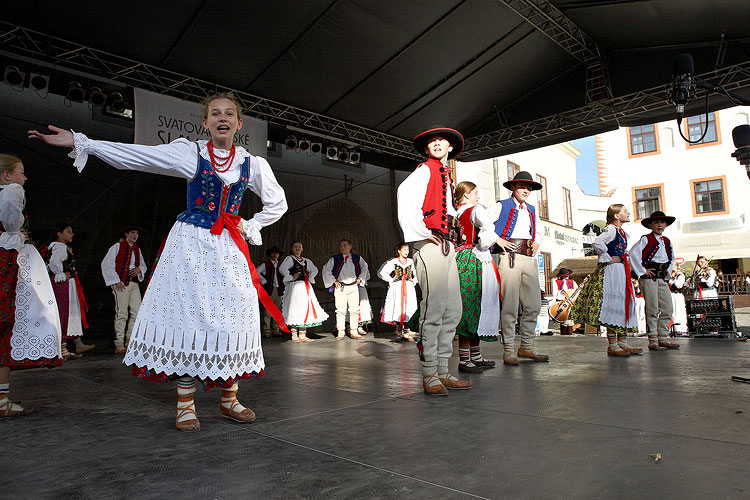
(612, 339)
(476, 355)
(185, 390)
(463, 355)
(622, 340)
(652, 340)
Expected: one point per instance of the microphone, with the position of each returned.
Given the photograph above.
(683, 87)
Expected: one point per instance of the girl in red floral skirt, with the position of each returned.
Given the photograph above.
(29, 323)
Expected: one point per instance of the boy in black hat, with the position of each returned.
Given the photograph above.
(651, 259)
(565, 287)
(271, 280)
(426, 214)
(122, 268)
(518, 238)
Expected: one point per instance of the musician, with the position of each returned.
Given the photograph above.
(565, 287)
(676, 284)
(651, 260)
(705, 278)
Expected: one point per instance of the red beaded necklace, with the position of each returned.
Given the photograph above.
(217, 162)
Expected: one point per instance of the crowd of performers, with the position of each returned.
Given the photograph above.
(199, 323)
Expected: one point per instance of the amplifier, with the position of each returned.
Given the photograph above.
(711, 317)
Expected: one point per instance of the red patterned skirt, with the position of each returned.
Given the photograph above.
(162, 378)
(8, 282)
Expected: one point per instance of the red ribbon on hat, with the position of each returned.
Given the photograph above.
(230, 222)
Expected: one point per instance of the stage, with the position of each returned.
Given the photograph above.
(349, 420)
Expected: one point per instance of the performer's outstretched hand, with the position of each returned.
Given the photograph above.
(61, 138)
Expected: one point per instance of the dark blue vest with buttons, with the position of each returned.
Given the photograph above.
(208, 197)
(616, 247)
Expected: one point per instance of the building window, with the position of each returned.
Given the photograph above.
(648, 199)
(568, 207)
(709, 196)
(643, 140)
(543, 203)
(498, 182)
(695, 125)
(513, 169)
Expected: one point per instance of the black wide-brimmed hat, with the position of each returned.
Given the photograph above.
(273, 249)
(564, 271)
(523, 176)
(453, 136)
(658, 215)
(131, 227)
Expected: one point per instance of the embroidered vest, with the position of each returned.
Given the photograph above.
(506, 222)
(616, 247)
(652, 246)
(270, 277)
(398, 272)
(299, 267)
(208, 197)
(123, 258)
(435, 205)
(69, 264)
(568, 283)
(468, 232)
(338, 264)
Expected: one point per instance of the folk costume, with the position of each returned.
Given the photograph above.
(365, 309)
(640, 307)
(653, 252)
(425, 209)
(401, 299)
(120, 260)
(30, 331)
(707, 286)
(564, 286)
(71, 302)
(608, 299)
(350, 270)
(519, 273)
(199, 318)
(273, 283)
(679, 312)
(300, 306)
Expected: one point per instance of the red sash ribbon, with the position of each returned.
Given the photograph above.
(497, 275)
(230, 222)
(629, 293)
(403, 300)
(309, 301)
(81, 300)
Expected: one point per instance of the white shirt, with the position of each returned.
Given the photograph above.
(410, 195)
(109, 266)
(348, 274)
(179, 158)
(289, 261)
(12, 201)
(636, 255)
(262, 274)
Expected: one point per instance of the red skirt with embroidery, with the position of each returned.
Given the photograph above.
(162, 378)
(8, 281)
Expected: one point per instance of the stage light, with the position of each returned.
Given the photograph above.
(316, 147)
(38, 82)
(343, 155)
(97, 97)
(741, 138)
(354, 157)
(14, 77)
(75, 92)
(291, 142)
(117, 103)
(304, 144)
(332, 152)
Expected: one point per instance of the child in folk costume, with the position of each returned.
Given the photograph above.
(478, 278)
(651, 259)
(640, 307)
(401, 299)
(365, 309)
(344, 274)
(565, 287)
(300, 305)
(704, 277)
(273, 283)
(199, 320)
(607, 299)
(68, 291)
(29, 321)
(676, 284)
(122, 268)
(519, 236)
(426, 214)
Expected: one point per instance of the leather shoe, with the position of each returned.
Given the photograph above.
(356, 335)
(433, 389)
(510, 360)
(530, 354)
(245, 416)
(469, 368)
(484, 363)
(632, 350)
(669, 344)
(620, 353)
(120, 350)
(454, 383)
(653, 347)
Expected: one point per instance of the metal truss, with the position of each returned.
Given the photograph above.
(64, 55)
(732, 78)
(549, 20)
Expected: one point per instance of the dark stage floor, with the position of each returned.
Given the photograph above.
(349, 420)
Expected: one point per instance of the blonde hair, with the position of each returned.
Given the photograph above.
(463, 188)
(8, 163)
(612, 211)
(221, 95)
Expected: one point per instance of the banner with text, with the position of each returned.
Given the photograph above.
(161, 119)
